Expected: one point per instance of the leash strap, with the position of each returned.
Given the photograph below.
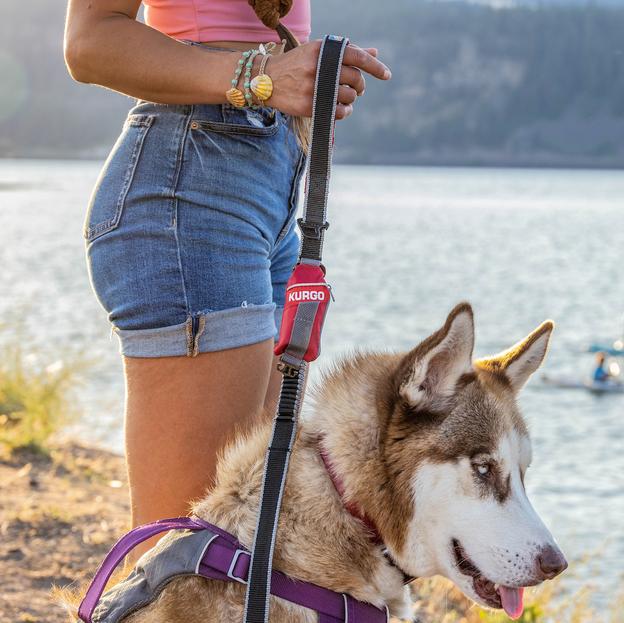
(300, 331)
(313, 224)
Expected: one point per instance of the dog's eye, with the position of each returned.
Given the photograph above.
(483, 469)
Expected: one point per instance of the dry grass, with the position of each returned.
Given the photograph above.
(35, 397)
(438, 601)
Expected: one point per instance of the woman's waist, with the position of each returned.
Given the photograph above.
(223, 118)
(240, 46)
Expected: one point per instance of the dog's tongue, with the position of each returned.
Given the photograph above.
(511, 599)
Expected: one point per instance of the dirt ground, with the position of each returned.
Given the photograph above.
(59, 515)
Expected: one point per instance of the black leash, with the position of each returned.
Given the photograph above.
(307, 300)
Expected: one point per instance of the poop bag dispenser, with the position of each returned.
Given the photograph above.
(307, 300)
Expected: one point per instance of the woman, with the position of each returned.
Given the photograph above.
(190, 231)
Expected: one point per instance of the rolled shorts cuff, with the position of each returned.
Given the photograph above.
(203, 333)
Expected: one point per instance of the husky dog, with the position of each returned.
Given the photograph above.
(430, 447)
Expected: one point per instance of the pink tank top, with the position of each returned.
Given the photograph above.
(221, 20)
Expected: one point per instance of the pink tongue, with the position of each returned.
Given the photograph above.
(511, 599)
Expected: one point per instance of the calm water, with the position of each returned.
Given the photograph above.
(405, 245)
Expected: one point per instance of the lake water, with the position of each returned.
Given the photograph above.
(405, 245)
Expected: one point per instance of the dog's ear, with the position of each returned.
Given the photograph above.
(519, 362)
(428, 374)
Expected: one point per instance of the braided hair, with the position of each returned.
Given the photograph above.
(270, 12)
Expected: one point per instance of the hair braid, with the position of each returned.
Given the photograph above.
(269, 12)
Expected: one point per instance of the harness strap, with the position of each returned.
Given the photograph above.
(294, 366)
(226, 560)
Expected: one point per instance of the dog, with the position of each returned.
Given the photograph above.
(430, 447)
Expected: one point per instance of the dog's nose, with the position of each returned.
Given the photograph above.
(551, 562)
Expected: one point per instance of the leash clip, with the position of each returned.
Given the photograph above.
(288, 369)
(312, 230)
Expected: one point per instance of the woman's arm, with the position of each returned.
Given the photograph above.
(105, 45)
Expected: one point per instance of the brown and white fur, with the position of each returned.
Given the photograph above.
(430, 445)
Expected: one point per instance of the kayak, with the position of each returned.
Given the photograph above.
(615, 350)
(597, 387)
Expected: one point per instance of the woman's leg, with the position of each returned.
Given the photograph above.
(180, 412)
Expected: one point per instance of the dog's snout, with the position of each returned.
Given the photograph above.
(551, 562)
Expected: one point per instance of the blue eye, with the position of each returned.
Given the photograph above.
(483, 469)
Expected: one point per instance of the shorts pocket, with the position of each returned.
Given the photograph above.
(107, 202)
(294, 197)
(262, 122)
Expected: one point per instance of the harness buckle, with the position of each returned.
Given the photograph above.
(312, 230)
(230, 573)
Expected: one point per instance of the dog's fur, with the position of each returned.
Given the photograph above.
(408, 435)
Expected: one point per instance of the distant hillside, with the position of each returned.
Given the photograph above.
(476, 85)
(544, 3)
(471, 84)
(503, 4)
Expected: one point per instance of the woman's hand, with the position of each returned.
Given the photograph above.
(294, 75)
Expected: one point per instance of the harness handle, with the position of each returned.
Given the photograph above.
(301, 327)
(120, 550)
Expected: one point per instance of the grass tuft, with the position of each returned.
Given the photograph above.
(35, 398)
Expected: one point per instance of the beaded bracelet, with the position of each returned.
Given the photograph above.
(234, 95)
(247, 81)
(261, 86)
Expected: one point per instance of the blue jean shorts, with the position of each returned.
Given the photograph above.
(191, 228)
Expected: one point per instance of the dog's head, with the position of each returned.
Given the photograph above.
(455, 439)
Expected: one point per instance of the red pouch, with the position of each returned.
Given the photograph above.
(307, 300)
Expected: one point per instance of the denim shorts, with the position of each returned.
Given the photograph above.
(191, 228)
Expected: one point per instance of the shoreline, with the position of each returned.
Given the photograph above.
(411, 163)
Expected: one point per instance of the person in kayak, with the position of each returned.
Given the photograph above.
(601, 373)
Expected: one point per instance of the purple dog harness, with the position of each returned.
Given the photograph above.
(223, 558)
